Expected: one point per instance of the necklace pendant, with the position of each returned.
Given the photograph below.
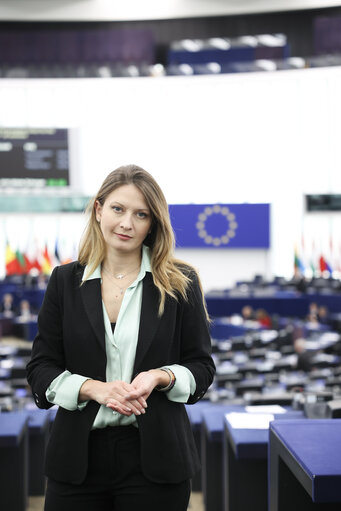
(120, 276)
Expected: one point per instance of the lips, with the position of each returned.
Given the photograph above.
(123, 236)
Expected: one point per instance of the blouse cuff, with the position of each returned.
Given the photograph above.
(64, 391)
(184, 386)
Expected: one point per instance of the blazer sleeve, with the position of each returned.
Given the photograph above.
(196, 341)
(47, 359)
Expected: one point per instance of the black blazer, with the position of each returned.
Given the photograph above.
(71, 335)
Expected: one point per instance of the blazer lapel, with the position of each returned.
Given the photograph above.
(92, 300)
(149, 320)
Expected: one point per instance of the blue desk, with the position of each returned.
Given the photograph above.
(305, 466)
(39, 429)
(294, 306)
(6, 325)
(245, 465)
(26, 330)
(13, 461)
(194, 413)
(222, 329)
(234, 54)
(284, 306)
(212, 455)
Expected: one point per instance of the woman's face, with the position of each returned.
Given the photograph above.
(125, 219)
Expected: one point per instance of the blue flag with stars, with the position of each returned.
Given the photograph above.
(221, 225)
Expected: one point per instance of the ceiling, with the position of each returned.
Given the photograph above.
(119, 10)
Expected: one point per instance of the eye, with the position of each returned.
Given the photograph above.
(141, 214)
(117, 209)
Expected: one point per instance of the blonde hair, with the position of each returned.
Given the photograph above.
(170, 275)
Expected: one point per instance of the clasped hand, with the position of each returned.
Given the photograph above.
(130, 398)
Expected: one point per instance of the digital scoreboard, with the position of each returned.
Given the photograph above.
(34, 157)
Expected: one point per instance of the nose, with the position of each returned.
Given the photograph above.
(126, 222)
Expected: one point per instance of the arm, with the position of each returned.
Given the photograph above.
(196, 341)
(195, 370)
(73, 392)
(64, 391)
(47, 359)
(144, 383)
(51, 383)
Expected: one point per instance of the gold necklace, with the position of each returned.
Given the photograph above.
(120, 276)
(122, 289)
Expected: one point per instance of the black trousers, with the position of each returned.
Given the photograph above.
(114, 481)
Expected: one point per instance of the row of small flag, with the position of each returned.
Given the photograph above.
(316, 263)
(321, 265)
(23, 263)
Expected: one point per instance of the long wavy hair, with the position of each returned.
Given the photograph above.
(170, 275)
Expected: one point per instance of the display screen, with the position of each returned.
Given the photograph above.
(34, 157)
(323, 202)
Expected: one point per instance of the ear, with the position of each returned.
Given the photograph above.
(98, 208)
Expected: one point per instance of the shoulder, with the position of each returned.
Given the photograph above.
(187, 270)
(67, 271)
(193, 284)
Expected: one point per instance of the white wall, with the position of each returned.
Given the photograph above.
(118, 10)
(265, 137)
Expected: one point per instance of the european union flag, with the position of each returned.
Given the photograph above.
(221, 225)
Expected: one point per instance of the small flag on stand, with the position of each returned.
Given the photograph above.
(46, 265)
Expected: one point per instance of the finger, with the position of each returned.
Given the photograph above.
(139, 403)
(142, 402)
(116, 405)
(138, 396)
(136, 407)
(123, 410)
(135, 394)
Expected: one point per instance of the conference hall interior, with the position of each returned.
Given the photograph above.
(234, 107)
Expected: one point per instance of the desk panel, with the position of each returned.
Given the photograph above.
(305, 467)
(13, 461)
(39, 429)
(245, 465)
(297, 306)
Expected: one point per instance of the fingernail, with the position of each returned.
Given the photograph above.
(138, 413)
(143, 410)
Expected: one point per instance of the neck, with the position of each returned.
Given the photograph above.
(122, 263)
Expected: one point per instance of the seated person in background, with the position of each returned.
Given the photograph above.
(313, 312)
(24, 312)
(247, 313)
(42, 281)
(263, 318)
(323, 315)
(303, 356)
(299, 281)
(7, 305)
(302, 285)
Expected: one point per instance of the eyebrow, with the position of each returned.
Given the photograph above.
(123, 205)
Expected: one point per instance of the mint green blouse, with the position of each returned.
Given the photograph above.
(120, 350)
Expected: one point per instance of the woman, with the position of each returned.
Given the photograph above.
(122, 343)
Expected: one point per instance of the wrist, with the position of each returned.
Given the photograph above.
(171, 380)
(88, 390)
(161, 378)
